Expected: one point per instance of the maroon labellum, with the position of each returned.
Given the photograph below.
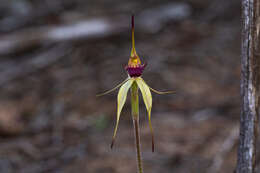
(135, 71)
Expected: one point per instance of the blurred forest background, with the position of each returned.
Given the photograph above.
(56, 55)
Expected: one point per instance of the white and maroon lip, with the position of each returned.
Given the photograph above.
(135, 71)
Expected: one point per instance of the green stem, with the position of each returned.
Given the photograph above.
(135, 115)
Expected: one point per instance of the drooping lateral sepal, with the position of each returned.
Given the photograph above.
(147, 97)
(121, 98)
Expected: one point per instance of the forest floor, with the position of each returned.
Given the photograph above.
(55, 58)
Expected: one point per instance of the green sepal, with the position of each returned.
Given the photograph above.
(121, 98)
(147, 97)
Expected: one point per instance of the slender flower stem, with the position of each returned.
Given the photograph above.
(135, 116)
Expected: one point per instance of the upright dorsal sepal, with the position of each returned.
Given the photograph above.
(134, 60)
(133, 52)
(134, 67)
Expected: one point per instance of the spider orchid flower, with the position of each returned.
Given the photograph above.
(135, 82)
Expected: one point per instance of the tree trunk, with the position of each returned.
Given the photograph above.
(249, 87)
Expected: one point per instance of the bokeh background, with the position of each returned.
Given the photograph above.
(55, 56)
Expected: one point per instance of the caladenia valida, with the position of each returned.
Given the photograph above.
(136, 83)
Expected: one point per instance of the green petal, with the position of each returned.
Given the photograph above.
(109, 91)
(160, 92)
(121, 98)
(147, 97)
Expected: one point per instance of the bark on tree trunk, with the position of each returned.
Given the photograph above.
(249, 87)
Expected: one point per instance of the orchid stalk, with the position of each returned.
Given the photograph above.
(136, 83)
